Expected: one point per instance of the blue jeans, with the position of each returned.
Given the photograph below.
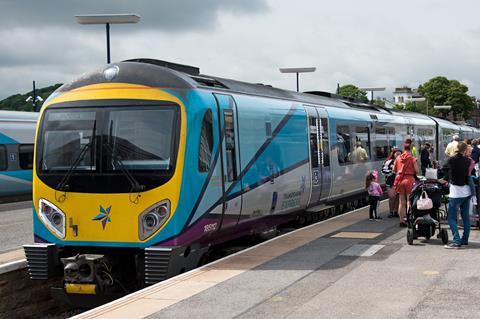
(453, 205)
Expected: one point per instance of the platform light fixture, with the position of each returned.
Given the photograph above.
(372, 89)
(297, 71)
(34, 98)
(420, 99)
(107, 19)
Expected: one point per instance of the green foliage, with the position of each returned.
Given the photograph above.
(378, 101)
(17, 102)
(442, 91)
(351, 90)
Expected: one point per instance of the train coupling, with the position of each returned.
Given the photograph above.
(87, 274)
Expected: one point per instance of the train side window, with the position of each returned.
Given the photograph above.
(381, 143)
(3, 157)
(362, 138)
(325, 145)
(344, 144)
(206, 143)
(230, 150)
(25, 155)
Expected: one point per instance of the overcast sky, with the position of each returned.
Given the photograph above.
(369, 43)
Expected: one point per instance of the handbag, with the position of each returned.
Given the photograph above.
(424, 202)
(431, 173)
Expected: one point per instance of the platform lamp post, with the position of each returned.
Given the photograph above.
(107, 19)
(420, 99)
(34, 98)
(297, 71)
(442, 107)
(372, 90)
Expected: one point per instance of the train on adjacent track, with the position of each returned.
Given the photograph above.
(17, 134)
(144, 165)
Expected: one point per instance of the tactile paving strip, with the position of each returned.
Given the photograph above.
(361, 235)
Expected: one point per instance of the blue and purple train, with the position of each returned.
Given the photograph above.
(142, 166)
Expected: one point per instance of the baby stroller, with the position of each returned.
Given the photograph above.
(423, 223)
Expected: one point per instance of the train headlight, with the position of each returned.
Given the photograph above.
(52, 217)
(152, 219)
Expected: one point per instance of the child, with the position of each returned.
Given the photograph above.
(374, 193)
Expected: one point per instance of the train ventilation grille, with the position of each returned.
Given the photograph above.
(157, 261)
(39, 257)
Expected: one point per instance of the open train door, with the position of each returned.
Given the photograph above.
(230, 160)
(319, 154)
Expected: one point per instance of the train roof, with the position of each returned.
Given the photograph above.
(158, 73)
(17, 116)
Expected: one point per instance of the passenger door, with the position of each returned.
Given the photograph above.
(230, 160)
(319, 154)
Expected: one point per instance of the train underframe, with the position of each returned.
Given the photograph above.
(95, 275)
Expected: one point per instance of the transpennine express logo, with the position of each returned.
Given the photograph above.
(104, 216)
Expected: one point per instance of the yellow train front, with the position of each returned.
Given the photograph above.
(107, 178)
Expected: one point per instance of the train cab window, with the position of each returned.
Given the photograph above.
(325, 145)
(381, 143)
(25, 155)
(230, 150)
(344, 145)
(206, 143)
(3, 158)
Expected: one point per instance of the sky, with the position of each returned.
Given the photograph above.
(369, 43)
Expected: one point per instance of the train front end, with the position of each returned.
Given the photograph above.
(106, 182)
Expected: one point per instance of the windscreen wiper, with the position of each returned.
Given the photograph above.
(117, 162)
(63, 183)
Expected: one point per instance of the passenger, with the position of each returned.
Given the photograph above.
(413, 149)
(475, 150)
(451, 148)
(425, 158)
(406, 168)
(436, 166)
(456, 171)
(359, 154)
(389, 179)
(471, 173)
(467, 141)
(374, 192)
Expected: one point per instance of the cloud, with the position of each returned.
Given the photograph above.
(161, 15)
(373, 44)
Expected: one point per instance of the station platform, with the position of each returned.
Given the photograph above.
(344, 267)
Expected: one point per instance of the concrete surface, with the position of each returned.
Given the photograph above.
(15, 226)
(303, 274)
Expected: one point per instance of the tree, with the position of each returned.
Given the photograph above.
(458, 98)
(351, 90)
(442, 91)
(378, 101)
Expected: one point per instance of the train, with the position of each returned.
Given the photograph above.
(142, 167)
(17, 134)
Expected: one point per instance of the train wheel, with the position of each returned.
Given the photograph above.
(410, 237)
